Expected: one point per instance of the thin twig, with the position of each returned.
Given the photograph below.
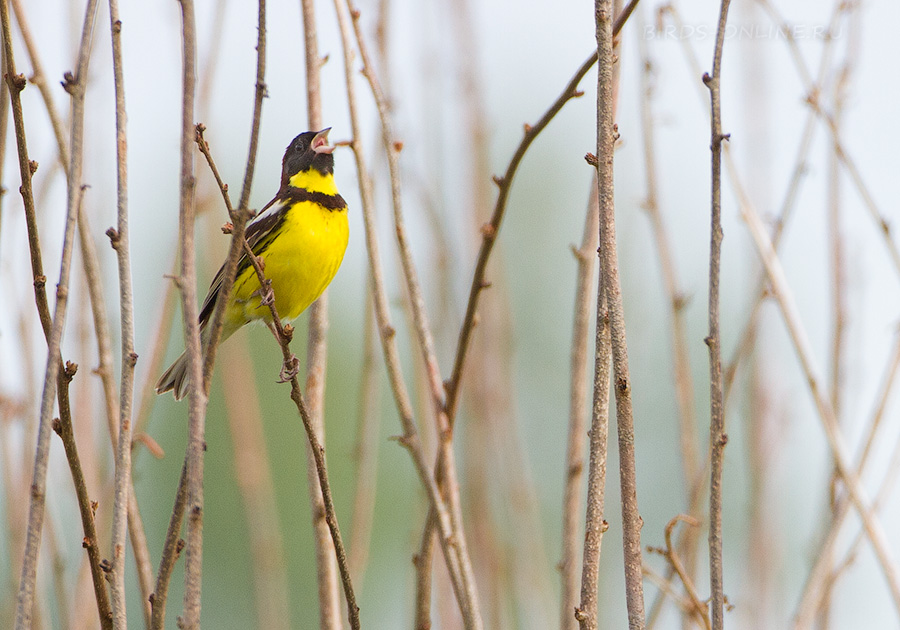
(187, 283)
(120, 242)
(283, 336)
(717, 436)
(694, 477)
(86, 507)
(595, 526)
(667, 588)
(574, 470)
(75, 85)
(698, 607)
(4, 130)
(316, 361)
(172, 547)
(242, 215)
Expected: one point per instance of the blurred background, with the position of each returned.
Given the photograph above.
(463, 78)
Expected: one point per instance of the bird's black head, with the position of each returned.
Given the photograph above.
(310, 150)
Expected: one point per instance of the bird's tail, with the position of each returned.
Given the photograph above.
(175, 379)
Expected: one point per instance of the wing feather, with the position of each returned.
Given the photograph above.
(258, 229)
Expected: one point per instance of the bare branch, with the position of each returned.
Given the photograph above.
(75, 85)
(316, 359)
(574, 470)
(187, 283)
(717, 436)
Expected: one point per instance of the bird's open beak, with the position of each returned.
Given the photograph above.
(320, 144)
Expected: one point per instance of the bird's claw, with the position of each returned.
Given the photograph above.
(266, 294)
(289, 369)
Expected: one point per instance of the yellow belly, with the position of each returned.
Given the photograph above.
(300, 262)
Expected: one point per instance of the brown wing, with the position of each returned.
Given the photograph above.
(258, 231)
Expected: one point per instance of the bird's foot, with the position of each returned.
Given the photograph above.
(289, 369)
(266, 294)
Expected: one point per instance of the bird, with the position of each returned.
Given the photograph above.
(301, 236)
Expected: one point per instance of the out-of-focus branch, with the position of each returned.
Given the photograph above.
(316, 360)
(828, 118)
(838, 446)
(697, 608)
(677, 301)
(717, 436)
(820, 574)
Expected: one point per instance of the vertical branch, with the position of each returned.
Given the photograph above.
(574, 470)
(609, 265)
(63, 427)
(172, 547)
(595, 525)
(316, 361)
(717, 437)
(187, 283)
(838, 281)
(120, 241)
(75, 85)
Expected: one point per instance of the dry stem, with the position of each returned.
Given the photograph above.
(574, 470)
(717, 436)
(316, 360)
(607, 135)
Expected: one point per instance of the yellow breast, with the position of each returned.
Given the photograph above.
(300, 261)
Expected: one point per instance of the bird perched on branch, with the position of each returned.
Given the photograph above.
(300, 235)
